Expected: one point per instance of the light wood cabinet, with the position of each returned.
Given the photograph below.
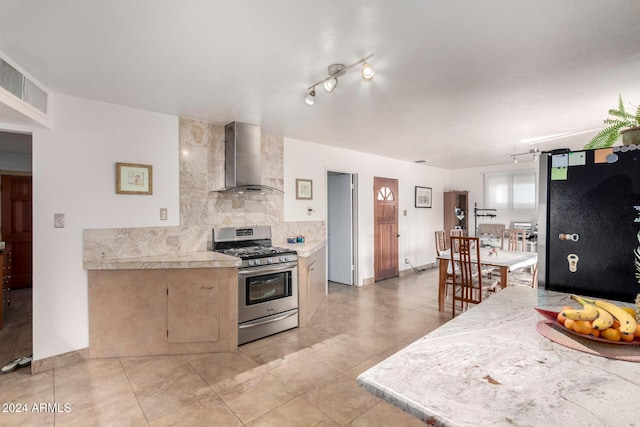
(157, 311)
(453, 200)
(312, 283)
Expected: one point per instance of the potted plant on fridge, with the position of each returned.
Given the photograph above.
(620, 124)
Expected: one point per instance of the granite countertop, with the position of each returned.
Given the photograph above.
(201, 259)
(489, 366)
(304, 249)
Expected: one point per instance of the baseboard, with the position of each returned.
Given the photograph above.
(401, 273)
(64, 359)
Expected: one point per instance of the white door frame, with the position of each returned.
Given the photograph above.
(354, 222)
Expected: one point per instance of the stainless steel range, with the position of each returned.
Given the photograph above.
(267, 280)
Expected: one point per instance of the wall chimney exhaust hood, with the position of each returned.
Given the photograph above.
(242, 160)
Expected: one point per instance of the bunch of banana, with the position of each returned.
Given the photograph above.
(603, 319)
(627, 321)
(588, 312)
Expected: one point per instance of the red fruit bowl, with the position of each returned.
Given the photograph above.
(552, 316)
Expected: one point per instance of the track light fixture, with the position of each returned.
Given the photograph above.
(311, 98)
(534, 151)
(336, 70)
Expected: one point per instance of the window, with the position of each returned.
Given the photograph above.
(385, 193)
(510, 190)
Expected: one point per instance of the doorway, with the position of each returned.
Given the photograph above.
(385, 235)
(341, 228)
(16, 231)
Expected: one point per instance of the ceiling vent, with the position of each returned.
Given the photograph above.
(23, 93)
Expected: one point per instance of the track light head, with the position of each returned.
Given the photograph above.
(311, 98)
(367, 71)
(330, 85)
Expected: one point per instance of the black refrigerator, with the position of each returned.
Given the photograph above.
(589, 222)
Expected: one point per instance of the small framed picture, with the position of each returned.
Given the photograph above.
(304, 189)
(134, 179)
(423, 197)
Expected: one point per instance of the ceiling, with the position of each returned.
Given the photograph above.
(458, 84)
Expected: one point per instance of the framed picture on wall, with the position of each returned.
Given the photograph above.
(304, 189)
(423, 197)
(134, 179)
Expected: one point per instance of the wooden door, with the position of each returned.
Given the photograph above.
(16, 227)
(386, 235)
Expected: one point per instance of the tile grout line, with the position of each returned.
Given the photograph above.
(132, 390)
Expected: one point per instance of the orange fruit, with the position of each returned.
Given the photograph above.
(626, 337)
(611, 334)
(582, 327)
(637, 332)
(561, 318)
(630, 310)
(568, 323)
(595, 333)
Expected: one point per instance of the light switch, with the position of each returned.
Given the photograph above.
(58, 220)
(404, 212)
(163, 214)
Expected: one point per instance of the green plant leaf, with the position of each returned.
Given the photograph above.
(620, 104)
(606, 137)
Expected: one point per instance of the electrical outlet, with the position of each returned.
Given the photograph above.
(406, 260)
(58, 220)
(163, 214)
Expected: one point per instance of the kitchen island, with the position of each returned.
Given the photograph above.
(489, 366)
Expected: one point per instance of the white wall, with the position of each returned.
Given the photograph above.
(471, 179)
(74, 174)
(312, 161)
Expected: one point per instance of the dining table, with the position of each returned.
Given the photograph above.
(504, 261)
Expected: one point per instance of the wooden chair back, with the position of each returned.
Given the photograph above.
(468, 285)
(441, 242)
(515, 240)
(457, 233)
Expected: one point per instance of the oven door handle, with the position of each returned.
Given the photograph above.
(265, 269)
(264, 322)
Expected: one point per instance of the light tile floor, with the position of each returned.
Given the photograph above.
(302, 377)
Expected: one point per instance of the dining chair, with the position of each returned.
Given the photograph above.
(441, 242)
(515, 239)
(469, 286)
(442, 249)
(455, 232)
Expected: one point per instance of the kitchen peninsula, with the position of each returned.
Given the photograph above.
(489, 366)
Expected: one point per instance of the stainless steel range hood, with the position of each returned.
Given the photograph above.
(242, 160)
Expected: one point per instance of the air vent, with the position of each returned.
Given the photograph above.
(11, 79)
(21, 87)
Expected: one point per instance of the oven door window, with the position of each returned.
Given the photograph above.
(268, 287)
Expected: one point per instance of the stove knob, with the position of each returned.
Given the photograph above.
(269, 261)
(250, 262)
(284, 258)
(257, 262)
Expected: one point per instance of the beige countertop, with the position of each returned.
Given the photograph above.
(305, 249)
(201, 259)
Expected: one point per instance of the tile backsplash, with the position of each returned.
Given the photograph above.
(201, 208)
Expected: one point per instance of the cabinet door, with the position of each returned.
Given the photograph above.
(127, 313)
(193, 312)
(317, 282)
